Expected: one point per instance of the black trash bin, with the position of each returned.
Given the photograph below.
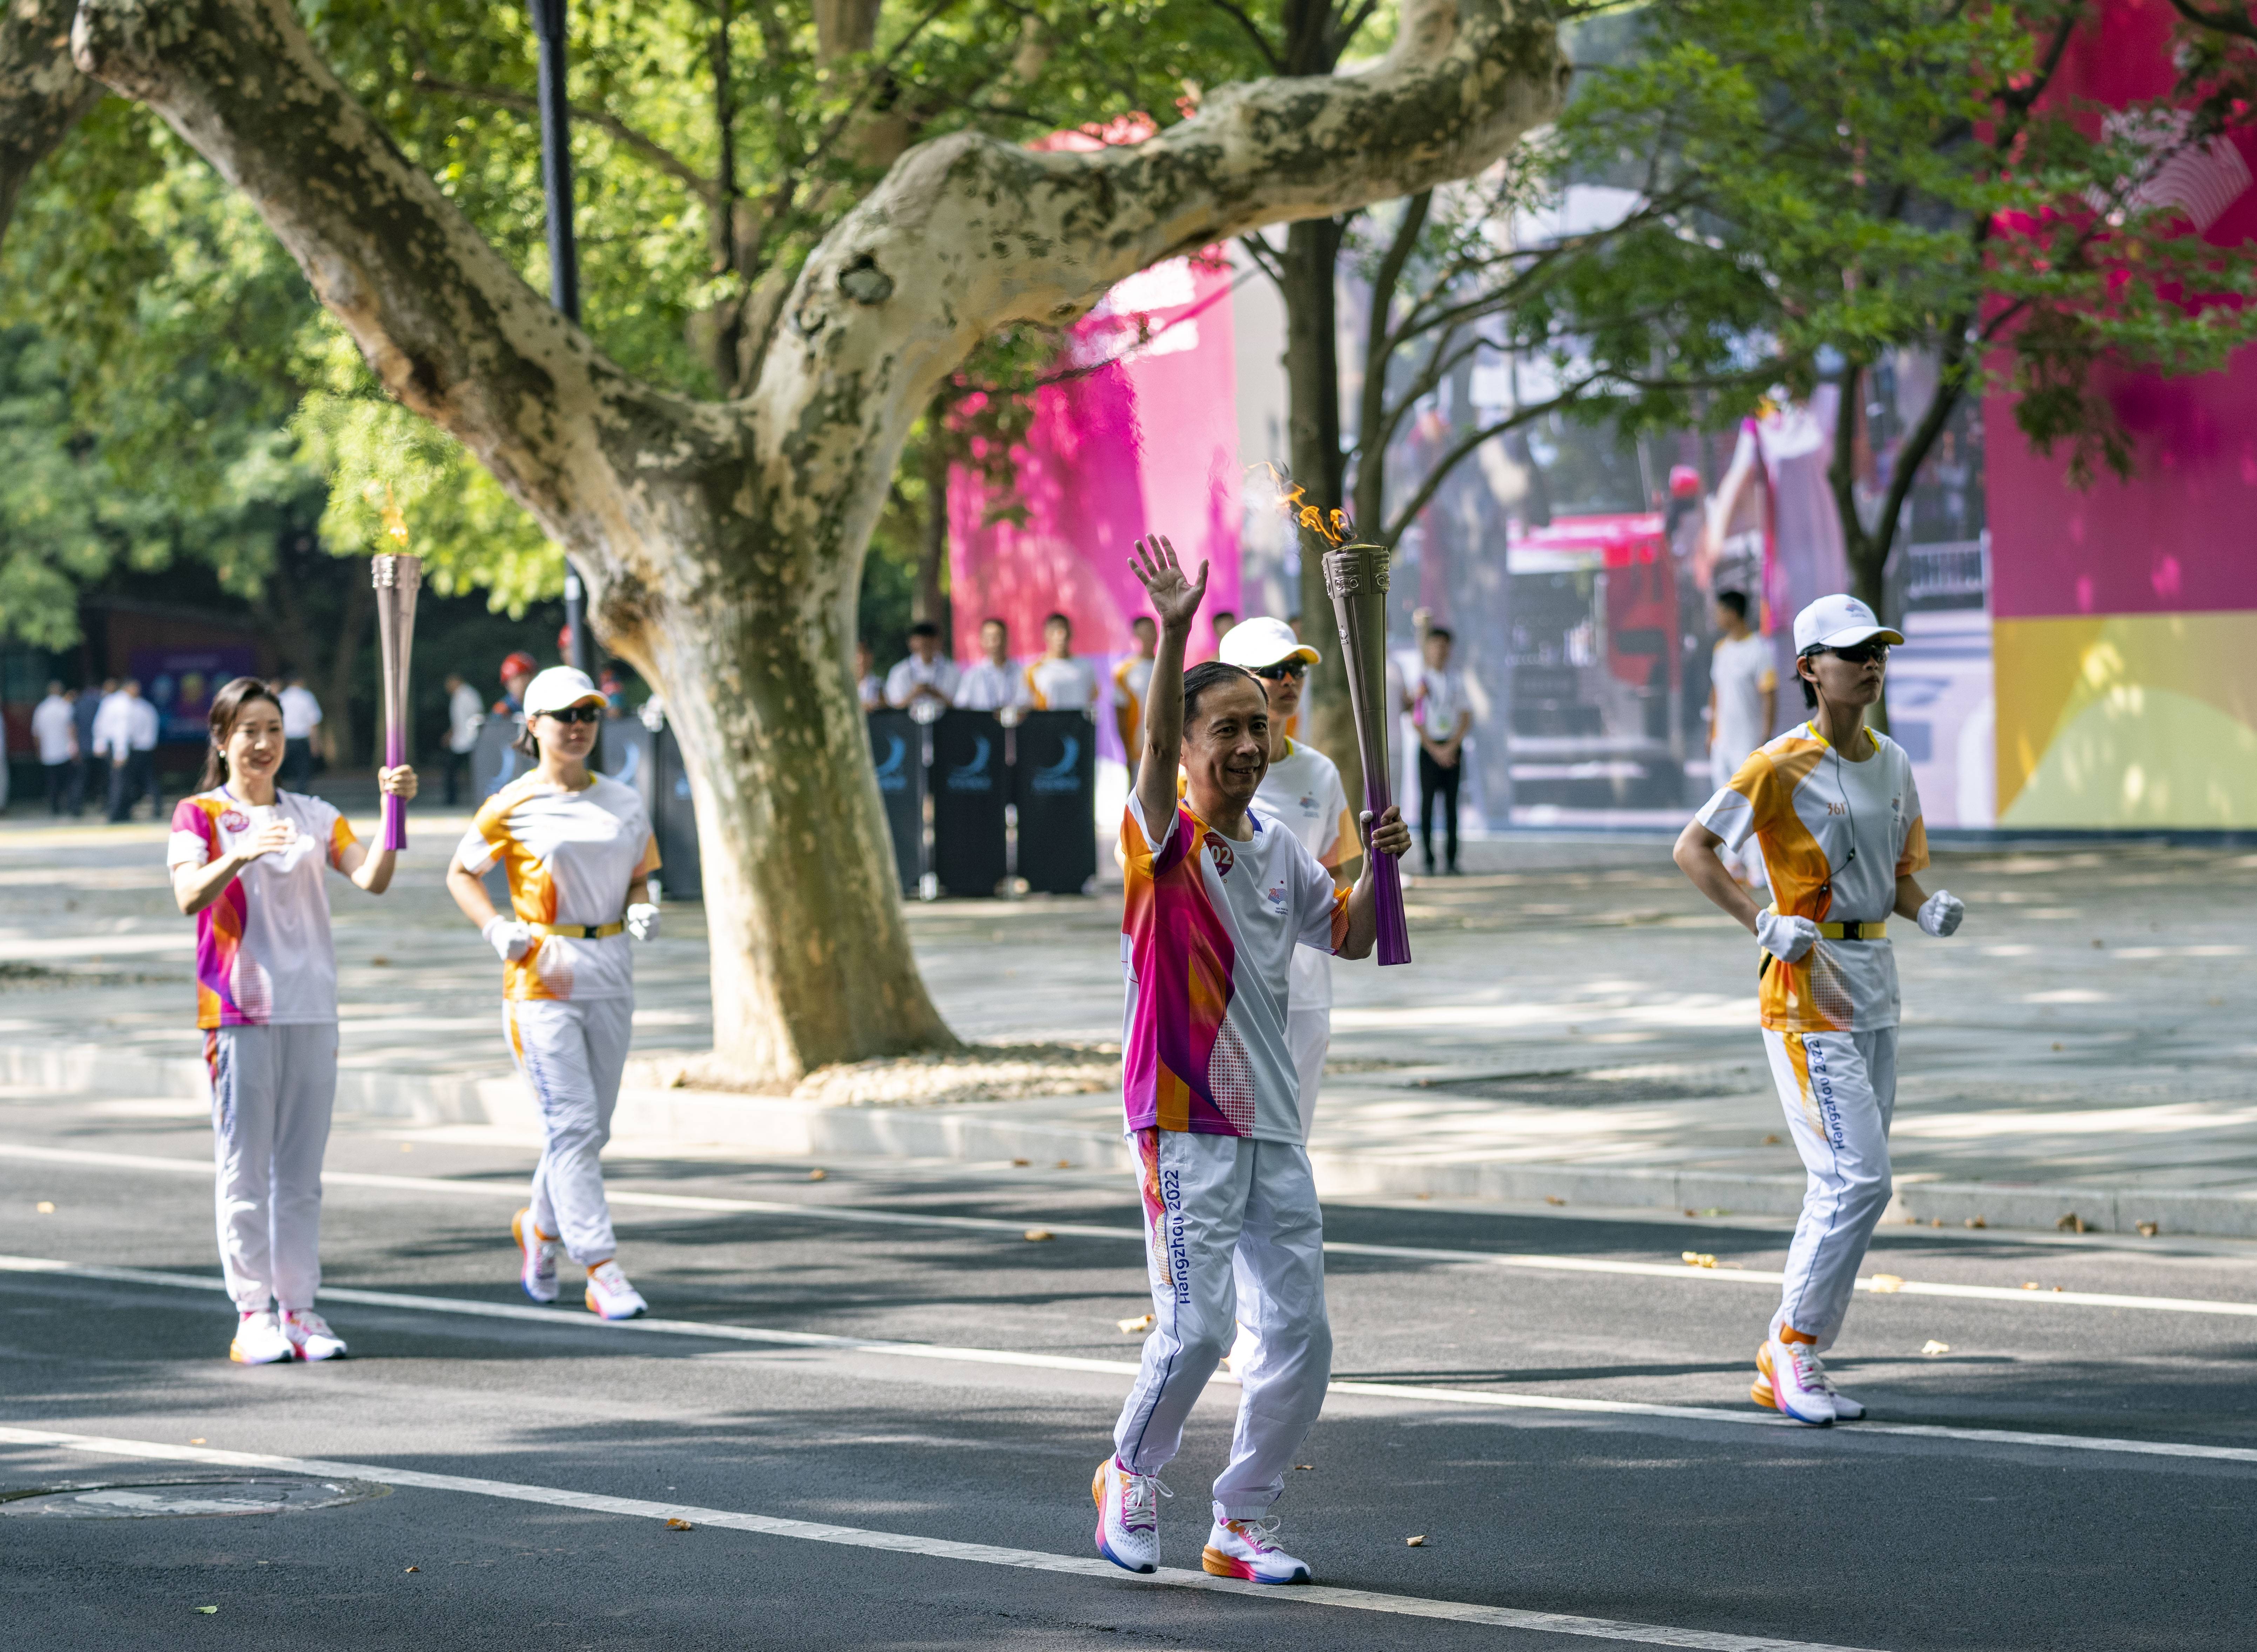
(971, 785)
(1054, 783)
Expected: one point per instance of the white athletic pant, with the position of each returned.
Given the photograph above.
(272, 1089)
(571, 1054)
(1839, 1090)
(1230, 1224)
(1308, 1035)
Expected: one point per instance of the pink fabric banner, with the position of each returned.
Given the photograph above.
(1139, 437)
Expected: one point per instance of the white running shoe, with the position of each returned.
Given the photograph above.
(310, 1336)
(1127, 1515)
(1243, 1549)
(258, 1340)
(610, 1296)
(1845, 1409)
(1794, 1384)
(536, 1256)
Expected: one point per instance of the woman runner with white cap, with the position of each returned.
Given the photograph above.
(1834, 808)
(577, 848)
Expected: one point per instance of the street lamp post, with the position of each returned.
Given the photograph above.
(564, 253)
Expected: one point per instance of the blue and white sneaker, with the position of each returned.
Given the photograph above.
(1244, 1549)
(610, 1296)
(1794, 1383)
(1127, 1515)
(536, 1257)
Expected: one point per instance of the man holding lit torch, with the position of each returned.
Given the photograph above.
(1217, 898)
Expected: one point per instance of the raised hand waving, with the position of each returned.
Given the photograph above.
(1175, 599)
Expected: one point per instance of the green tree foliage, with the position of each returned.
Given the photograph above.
(1854, 177)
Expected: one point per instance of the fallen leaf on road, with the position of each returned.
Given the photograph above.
(1554, 1198)
(2072, 1224)
(1130, 1327)
(819, 1175)
(2147, 1230)
(1888, 1283)
(672, 1524)
(44, 1207)
(1304, 1465)
(415, 1568)
(199, 1440)
(1022, 1163)
(1064, 1164)
(1698, 1258)
(1418, 1541)
(207, 1611)
(1977, 1221)
(2029, 1284)
(1770, 1142)
(1039, 1233)
(1932, 1347)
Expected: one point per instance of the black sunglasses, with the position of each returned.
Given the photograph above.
(576, 714)
(1859, 652)
(1295, 669)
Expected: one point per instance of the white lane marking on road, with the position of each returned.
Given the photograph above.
(942, 1548)
(1530, 1261)
(566, 1320)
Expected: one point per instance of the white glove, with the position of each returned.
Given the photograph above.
(1785, 937)
(642, 921)
(1941, 913)
(507, 936)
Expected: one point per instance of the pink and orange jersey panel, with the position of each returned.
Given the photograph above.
(1836, 836)
(1207, 933)
(264, 955)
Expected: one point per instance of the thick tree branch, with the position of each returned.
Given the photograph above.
(42, 93)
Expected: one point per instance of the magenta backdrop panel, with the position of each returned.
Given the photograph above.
(2180, 536)
(1142, 438)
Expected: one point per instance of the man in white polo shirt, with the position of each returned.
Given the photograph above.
(927, 674)
(993, 684)
(302, 715)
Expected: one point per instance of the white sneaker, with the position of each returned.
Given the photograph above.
(610, 1296)
(536, 1255)
(1796, 1382)
(258, 1340)
(310, 1336)
(1127, 1515)
(1243, 1549)
(1845, 1409)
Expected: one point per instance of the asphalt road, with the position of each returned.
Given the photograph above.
(1556, 1403)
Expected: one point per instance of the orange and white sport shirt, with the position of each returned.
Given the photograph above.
(264, 955)
(1207, 932)
(1836, 837)
(572, 857)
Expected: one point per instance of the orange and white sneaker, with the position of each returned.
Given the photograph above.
(1793, 1383)
(610, 1296)
(1845, 1409)
(258, 1340)
(1243, 1549)
(1127, 1515)
(310, 1336)
(536, 1255)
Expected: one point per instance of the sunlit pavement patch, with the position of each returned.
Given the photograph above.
(142, 1499)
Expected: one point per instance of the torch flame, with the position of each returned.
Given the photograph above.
(395, 521)
(1332, 527)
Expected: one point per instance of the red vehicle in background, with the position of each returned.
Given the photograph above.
(1598, 664)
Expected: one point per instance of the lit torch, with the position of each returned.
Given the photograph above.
(397, 577)
(1356, 578)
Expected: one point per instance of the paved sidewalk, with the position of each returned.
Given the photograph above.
(1578, 1027)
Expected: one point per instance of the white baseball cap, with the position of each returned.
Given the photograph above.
(1254, 644)
(557, 688)
(1838, 622)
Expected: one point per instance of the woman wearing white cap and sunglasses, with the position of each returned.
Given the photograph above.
(1833, 807)
(578, 851)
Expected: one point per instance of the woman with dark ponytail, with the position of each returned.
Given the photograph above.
(247, 863)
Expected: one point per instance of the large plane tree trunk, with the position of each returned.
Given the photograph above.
(42, 93)
(723, 543)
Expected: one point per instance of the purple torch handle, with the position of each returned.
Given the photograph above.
(1387, 888)
(395, 812)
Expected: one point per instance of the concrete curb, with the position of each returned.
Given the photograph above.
(1080, 1131)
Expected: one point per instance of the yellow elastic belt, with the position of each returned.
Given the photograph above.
(1855, 931)
(593, 931)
